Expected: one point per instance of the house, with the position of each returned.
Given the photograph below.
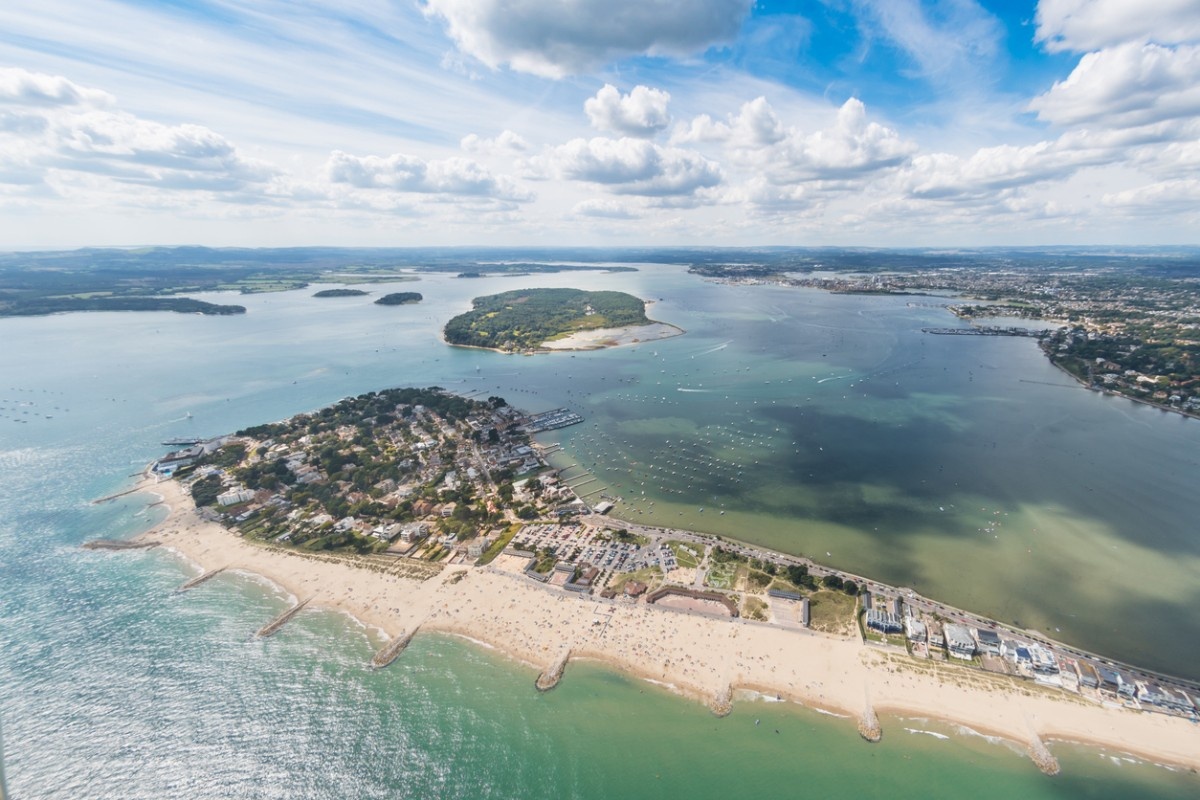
(1088, 676)
(635, 588)
(883, 621)
(914, 629)
(413, 532)
(959, 641)
(989, 641)
(936, 638)
(604, 507)
(866, 600)
(477, 547)
(1042, 660)
(448, 509)
(805, 612)
(234, 496)
(1110, 679)
(386, 532)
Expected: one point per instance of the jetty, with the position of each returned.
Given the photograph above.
(282, 619)
(121, 544)
(199, 579)
(552, 674)
(392, 650)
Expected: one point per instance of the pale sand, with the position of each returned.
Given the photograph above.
(613, 337)
(699, 655)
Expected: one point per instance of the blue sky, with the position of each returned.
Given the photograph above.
(547, 122)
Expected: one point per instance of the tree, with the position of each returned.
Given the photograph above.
(831, 582)
(796, 573)
(850, 588)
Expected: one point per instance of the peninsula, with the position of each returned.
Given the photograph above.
(415, 509)
(532, 320)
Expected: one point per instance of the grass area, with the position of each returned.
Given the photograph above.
(754, 608)
(757, 580)
(498, 546)
(687, 555)
(544, 562)
(832, 612)
(722, 575)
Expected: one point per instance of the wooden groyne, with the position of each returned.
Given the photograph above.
(121, 544)
(282, 619)
(199, 579)
(392, 650)
(721, 703)
(552, 674)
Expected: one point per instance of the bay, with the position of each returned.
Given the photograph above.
(966, 468)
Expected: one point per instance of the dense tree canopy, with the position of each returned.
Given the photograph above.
(524, 319)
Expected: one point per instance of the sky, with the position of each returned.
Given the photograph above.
(599, 122)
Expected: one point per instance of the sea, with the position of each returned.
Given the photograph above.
(966, 468)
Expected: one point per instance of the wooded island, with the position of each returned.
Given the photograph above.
(524, 319)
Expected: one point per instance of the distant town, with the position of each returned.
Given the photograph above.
(1131, 330)
(426, 479)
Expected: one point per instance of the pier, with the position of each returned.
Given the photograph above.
(392, 650)
(183, 442)
(282, 619)
(199, 579)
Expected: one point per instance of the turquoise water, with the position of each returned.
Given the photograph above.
(114, 686)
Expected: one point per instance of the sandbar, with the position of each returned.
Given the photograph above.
(598, 338)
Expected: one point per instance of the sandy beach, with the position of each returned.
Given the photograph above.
(698, 655)
(613, 337)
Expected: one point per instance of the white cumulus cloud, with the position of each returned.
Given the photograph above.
(58, 132)
(506, 142)
(1124, 86)
(554, 38)
(633, 166)
(404, 173)
(19, 87)
(642, 112)
(1082, 25)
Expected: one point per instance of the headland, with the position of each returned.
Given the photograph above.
(448, 542)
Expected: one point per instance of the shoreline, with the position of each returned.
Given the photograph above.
(606, 338)
(696, 656)
(1109, 393)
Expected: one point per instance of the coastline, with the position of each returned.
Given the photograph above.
(594, 339)
(701, 657)
(1109, 393)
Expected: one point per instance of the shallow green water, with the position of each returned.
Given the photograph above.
(113, 686)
